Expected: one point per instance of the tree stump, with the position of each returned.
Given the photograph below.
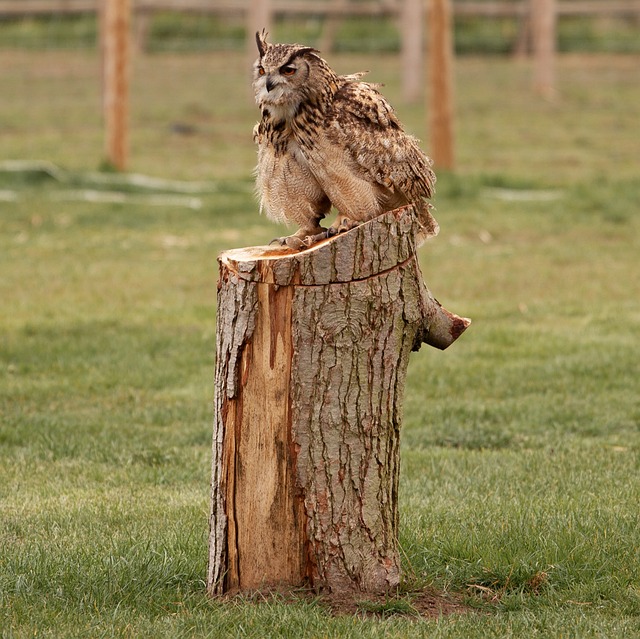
(312, 354)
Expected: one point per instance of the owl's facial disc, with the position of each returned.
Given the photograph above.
(280, 85)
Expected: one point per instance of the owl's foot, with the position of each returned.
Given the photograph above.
(344, 224)
(339, 226)
(303, 240)
(301, 243)
(325, 234)
(291, 241)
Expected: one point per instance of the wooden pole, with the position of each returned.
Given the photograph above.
(412, 21)
(522, 45)
(311, 358)
(115, 38)
(258, 17)
(331, 25)
(440, 66)
(543, 21)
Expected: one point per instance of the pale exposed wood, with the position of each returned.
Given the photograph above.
(260, 495)
(116, 47)
(312, 352)
(543, 26)
(412, 56)
(440, 99)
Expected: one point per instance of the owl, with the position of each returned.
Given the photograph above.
(326, 140)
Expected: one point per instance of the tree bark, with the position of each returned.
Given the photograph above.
(312, 353)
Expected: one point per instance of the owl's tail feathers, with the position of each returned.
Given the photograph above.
(429, 226)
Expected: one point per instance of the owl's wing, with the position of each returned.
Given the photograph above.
(366, 126)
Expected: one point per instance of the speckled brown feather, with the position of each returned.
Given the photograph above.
(331, 140)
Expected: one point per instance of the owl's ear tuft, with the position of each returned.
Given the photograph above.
(261, 41)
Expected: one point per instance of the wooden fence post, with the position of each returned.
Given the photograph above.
(440, 65)
(543, 22)
(258, 17)
(312, 353)
(412, 56)
(332, 22)
(116, 47)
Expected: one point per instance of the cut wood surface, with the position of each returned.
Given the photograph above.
(312, 353)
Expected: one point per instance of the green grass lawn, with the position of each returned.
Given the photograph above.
(521, 444)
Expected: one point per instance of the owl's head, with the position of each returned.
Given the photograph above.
(285, 75)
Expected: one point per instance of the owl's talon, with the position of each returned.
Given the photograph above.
(295, 243)
(291, 241)
(310, 240)
(346, 225)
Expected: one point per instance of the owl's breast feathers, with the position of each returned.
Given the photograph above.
(272, 132)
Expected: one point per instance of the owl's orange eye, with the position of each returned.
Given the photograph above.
(261, 71)
(287, 70)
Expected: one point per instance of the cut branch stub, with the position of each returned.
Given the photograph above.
(312, 353)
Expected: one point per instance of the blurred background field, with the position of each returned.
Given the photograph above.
(521, 444)
(190, 75)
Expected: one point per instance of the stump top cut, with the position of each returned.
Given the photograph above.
(365, 251)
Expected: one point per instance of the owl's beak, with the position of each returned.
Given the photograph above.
(270, 84)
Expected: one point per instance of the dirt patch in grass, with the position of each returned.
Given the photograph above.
(420, 604)
(427, 604)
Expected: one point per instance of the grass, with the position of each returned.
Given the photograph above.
(520, 480)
